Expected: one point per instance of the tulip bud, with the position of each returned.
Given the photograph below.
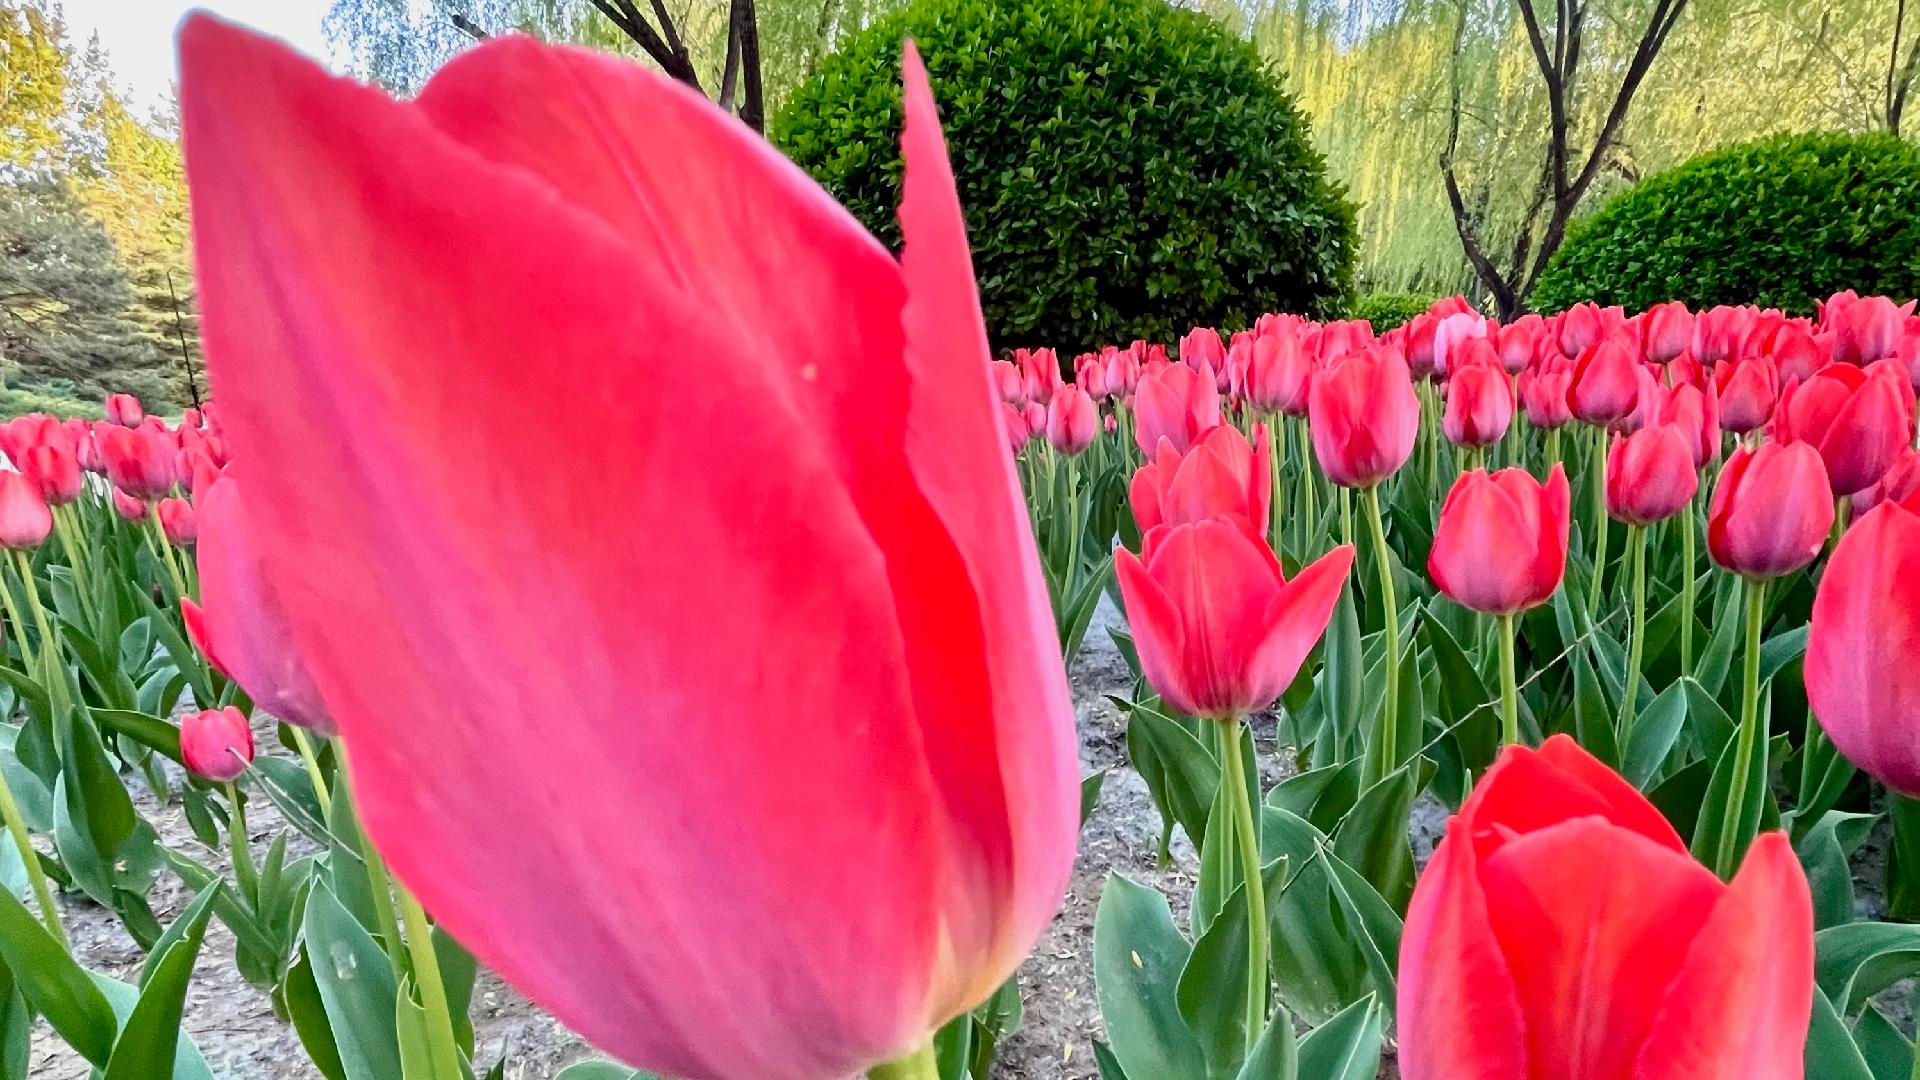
(1866, 329)
(1222, 475)
(1501, 545)
(216, 744)
(1579, 327)
(1202, 345)
(1858, 419)
(1860, 674)
(124, 410)
(128, 507)
(1797, 355)
(1008, 384)
(1747, 390)
(1220, 630)
(55, 471)
(1176, 403)
(1543, 394)
(1650, 475)
(177, 521)
(1697, 414)
(1517, 344)
(1363, 416)
(1900, 481)
(1479, 400)
(1771, 510)
(25, 520)
(1606, 383)
(139, 461)
(1279, 374)
(1665, 331)
(1073, 420)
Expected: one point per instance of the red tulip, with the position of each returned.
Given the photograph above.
(1864, 329)
(55, 471)
(1718, 333)
(1771, 510)
(1796, 355)
(139, 461)
(1279, 375)
(1580, 327)
(1073, 420)
(1221, 475)
(1517, 344)
(1543, 394)
(853, 529)
(1220, 630)
(1177, 403)
(1202, 345)
(1747, 390)
(1008, 383)
(1363, 416)
(216, 744)
(1606, 382)
(25, 520)
(1697, 414)
(1684, 370)
(1859, 419)
(1862, 682)
(1013, 423)
(124, 410)
(1665, 331)
(1900, 481)
(128, 507)
(1562, 931)
(1501, 545)
(1650, 475)
(1419, 340)
(1479, 401)
(177, 522)
(240, 624)
(1034, 416)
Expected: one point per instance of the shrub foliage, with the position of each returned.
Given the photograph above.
(1386, 310)
(1128, 169)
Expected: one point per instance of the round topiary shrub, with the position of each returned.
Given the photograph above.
(1386, 310)
(1128, 169)
(1781, 222)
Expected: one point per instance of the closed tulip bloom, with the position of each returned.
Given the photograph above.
(1363, 416)
(1859, 419)
(1562, 931)
(1864, 329)
(1418, 340)
(1279, 375)
(1771, 510)
(843, 569)
(177, 521)
(1223, 474)
(1650, 475)
(1123, 372)
(1900, 481)
(1220, 630)
(124, 410)
(1501, 545)
(1517, 344)
(1747, 391)
(1579, 328)
(1797, 354)
(1034, 416)
(1479, 404)
(139, 461)
(128, 507)
(1543, 395)
(1696, 413)
(1008, 383)
(1202, 346)
(1606, 383)
(55, 471)
(1719, 332)
(1862, 682)
(1177, 403)
(216, 744)
(1665, 331)
(25, 520)
(1073, 420)
(1452, 338)
(240, 623)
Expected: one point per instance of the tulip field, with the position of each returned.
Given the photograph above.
(670, 626)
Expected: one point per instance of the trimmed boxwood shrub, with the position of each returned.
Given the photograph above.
(1128, 169)
(1782, 222)
(1386, 310)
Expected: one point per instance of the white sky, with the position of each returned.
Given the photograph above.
(138, 34)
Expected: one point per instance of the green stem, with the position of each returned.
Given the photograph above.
(919, 1065)
(1309, 497)
(62, 515)
(163, 551)
(312, 763)
(1277, 432)
(244, 870)
(1750, 744)
(1389, 757)
(1842, 509)
(442, 1046)
(36, 875)
(1509, 691)
(1688, 609)
(1346, 515)
(48, 658)
(1474, 458)
(1073, 527)
(1553, 450)
(1637, 633)
(1599, 519)
(1233, 773)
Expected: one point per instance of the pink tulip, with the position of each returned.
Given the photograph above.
(1501, 545)
(1479, 401)
(139, 461)
(1279, 374)
(1073, 420)
(1747, 390)
(1222, 475)
(177, 522)
(1651, 475)
(55, 471)
(567, 757)
(1864, 329)
(25, 520)
(1543, 394)
(128, 507)
(1606, 382)
(1858, 419)
(1177, 403)
(216, 744)
(1665, 331)
(1364, 416)
(124, 410)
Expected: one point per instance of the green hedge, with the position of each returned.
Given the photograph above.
(1129, 169)
(1781, 222)
(1386, 310)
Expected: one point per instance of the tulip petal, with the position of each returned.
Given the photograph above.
(1738, 1008)
(1528, 790)
(456, 533)
(1458, 1014)
(1297, 618)
(1158, 638)
(1861, 680)
(1594, 921)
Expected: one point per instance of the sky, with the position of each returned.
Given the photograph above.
(138, 34)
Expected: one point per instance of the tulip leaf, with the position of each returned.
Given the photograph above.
(1138, 955)
(356, 987)
(1593, 712)
(1711, 726)
(1714, 830)
(1341, 689)
(1346, 1047)
(1823, 853)
(1831, 1053)
(1824, 776)
(1651, 739)
(1319, 966)
(149, 731)
(53, 985)
(1858, 960)
(600, 1070)
(1277, 1055)
(1903, 860)
(1322, 796)
(1716, 660)
(188, 1064)
(1464, 702)
(299, 997)
(1888, 1053)
(1108, 1064)
(149, 1041)
(1780, 650)
(1372, 838)
(1212, 989)
(953, 1048)
(16, 1030)
(1220, 869)
(1090, 793)
(1182, 775)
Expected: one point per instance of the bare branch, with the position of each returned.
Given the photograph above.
(467, 26)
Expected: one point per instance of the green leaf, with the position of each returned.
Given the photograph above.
(1823, 853)
(1654, 732)
(1276, 1056)
(1347, 1047)
(1341, 691)
(53, 984)
(1831, 1053)
(1322, 796)
(1212, 990)
(1138, 955)
(356, 987)
(1109, 1065)
(1713, 828)
(1858, 960)
(149, 1040)
(1181, 773)
(1373, 837)
(299, 997)
(149, 731)
(1090, 794)
(190, 926)
(124, 999)
(601, 1070)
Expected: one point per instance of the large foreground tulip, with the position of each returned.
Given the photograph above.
(1861, 679)
(1562, 932)
(640, 710)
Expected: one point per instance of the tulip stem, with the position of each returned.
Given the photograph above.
(1233, 773)
(1637, 633)
(49, 655)
(1688, 608)
(1553, 449)
(1309, 497)
(1842, 510)
(1599, 519)
(442, 1045)
(244, 871)
(379, 883)
(1750, 743)
(1509, 691)
(164, 552)
(312, 763)
(1073, 528)
(65, 532)
(1389, 757)
(1277, 459)
(37, 875)
(919, 1065)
